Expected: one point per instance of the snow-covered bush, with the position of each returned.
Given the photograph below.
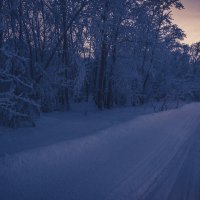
(16, 92)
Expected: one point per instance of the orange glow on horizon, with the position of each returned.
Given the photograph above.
(189, 20)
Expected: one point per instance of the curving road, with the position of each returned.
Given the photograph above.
(152, 157)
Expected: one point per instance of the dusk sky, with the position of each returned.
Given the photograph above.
(189, 20)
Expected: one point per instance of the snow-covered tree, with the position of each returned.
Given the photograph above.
(54, 52)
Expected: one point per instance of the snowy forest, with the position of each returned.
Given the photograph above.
(113, 53)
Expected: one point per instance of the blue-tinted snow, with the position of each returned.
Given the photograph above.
(143, 158)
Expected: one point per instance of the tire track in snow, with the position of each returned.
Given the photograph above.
(127, 190)
(180, 179)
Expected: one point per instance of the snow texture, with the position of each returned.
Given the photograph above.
(153, 156)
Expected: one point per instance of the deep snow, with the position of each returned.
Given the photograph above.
(154, 156)
(81, 121)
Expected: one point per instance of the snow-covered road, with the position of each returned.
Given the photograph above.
(152, 157)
